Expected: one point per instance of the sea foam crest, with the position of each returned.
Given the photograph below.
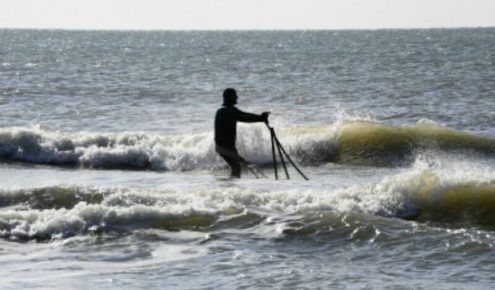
(359, 143)
(435, 188)
(131, 150)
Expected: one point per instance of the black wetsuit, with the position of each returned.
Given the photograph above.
(226, 132)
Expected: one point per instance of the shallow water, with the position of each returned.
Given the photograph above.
(109, 177)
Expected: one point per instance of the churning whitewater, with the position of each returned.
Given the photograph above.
(428, 191)
(358, 143)
(109, 177)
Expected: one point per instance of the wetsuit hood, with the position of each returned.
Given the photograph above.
(229, 97)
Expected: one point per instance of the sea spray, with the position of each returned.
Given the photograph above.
(357, 143)
(429, 191)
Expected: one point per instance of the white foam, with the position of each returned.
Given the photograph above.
(83, 218)
(144, 150)
(432, 174)
(396, 195)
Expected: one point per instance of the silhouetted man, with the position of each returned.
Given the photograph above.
(226, 129)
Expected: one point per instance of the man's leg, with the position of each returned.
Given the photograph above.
(234, 165)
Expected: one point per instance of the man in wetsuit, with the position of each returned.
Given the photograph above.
(226, 130)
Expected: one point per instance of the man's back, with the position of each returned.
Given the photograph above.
(226, 127)
(226, 124)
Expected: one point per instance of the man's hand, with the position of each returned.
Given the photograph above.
(265, 115)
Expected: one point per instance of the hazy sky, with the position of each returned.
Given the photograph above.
(245, 14)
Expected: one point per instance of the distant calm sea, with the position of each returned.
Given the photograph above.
(109, 179)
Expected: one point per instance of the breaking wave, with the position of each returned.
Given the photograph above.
(357, 143)
(140, 151)
(367, 143)
(441, 191)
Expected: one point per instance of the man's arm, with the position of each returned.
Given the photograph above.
(251, 118)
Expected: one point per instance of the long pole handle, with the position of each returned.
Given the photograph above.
(272, 133)
(290, 160)
(279, 145)
(282, 159)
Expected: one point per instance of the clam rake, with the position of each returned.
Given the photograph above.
(281, 152)
(255, 170)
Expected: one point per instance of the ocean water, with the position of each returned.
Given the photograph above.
(109, 179)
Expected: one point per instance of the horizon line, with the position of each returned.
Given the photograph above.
(242, 29)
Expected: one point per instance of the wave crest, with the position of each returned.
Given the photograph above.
(357, 143)
(435, 190)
